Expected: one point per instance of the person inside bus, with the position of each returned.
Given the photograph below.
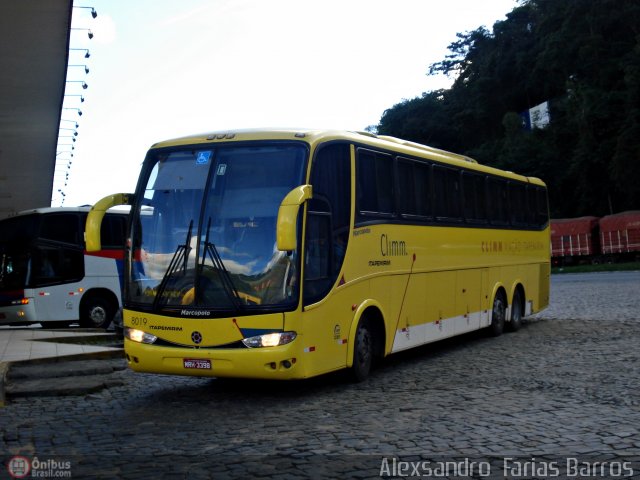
(46, 267)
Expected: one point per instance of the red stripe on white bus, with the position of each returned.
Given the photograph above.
(115, 254)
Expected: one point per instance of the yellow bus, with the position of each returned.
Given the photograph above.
(287, 254)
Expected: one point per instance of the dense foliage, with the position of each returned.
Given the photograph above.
(583, 57)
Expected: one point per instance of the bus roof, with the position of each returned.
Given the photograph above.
(314, 136)
(43, 210)
(46, 210)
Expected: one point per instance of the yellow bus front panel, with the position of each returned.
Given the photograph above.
(209, 347)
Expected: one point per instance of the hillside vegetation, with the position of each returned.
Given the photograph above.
(580, 56)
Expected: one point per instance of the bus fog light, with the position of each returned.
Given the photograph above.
(139, 336)
(270, 339)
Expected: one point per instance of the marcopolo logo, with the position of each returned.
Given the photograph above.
(21, 467)
(195, 313)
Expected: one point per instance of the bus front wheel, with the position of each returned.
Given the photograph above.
(362, 352)
(498, 315)
(96, 312)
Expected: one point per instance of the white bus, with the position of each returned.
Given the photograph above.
(46, 275)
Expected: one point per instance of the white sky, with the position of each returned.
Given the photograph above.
(162, 68)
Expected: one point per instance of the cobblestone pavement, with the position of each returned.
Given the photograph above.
(565, 388)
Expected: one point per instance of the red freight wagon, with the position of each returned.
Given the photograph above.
(620, 233)
(574, 237)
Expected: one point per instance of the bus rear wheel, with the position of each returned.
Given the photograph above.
(362, 352)
(96, 312)
(516, 312)
(498, 314)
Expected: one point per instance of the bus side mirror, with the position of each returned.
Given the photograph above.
(288, 216)
(95, 216)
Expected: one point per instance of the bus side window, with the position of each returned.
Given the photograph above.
(328, 218)
(474, 195)
(414, 182)
(498, 213)
(318, 265)
(375, 183)
(517, 203)
(46, 266)
(543, 207)
(57, 265)
(62, 227)
(112, 231)
(447, 193)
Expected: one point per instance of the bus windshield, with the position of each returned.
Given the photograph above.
(14, 269)
(14, 260)
(39, 250)
(204, 234)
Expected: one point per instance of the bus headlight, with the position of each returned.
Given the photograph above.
(139, 336)
(270, 339)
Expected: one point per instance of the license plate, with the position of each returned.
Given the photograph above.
(196, 363)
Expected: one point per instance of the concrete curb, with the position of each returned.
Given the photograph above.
(114, 353)
(6, 366)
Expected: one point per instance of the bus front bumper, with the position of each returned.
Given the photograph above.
(278, 363)
(18, 314)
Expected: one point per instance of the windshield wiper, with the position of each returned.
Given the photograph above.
(178, 261)
(224, 275)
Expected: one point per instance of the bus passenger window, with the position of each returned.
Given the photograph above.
(414, 181)
(46, 267)
(375, 183)
(475, 209)
(447, 193)
(498, 201)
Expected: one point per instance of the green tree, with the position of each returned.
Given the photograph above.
(581, 56)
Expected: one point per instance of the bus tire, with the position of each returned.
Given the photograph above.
(516, 312)
(362, 352)
(96, 312)
(498, 314)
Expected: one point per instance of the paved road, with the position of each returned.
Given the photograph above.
(595, 296)
(563, 393)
